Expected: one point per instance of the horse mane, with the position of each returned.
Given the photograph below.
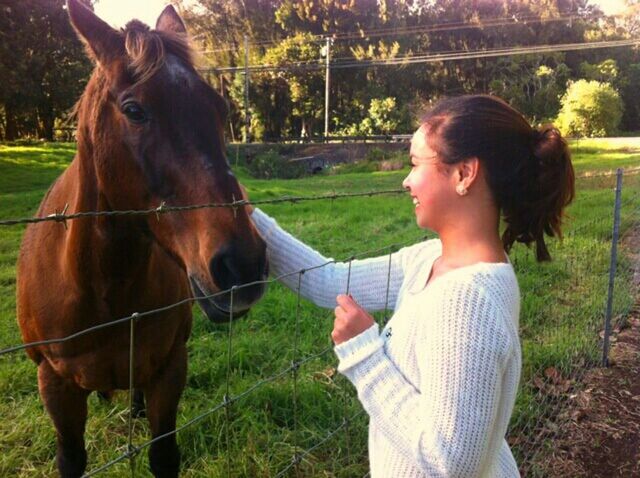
(147, 49)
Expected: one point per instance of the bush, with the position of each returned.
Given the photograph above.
(375, 154)
(271, 164)
(590, 108)
(357, 167)
(384, 116)
(375, 160)
(392, 165)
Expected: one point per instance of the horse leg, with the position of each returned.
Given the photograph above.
(67, 406)
(138, 403)
(162, 397)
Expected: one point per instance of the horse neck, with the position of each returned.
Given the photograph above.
(121, 242)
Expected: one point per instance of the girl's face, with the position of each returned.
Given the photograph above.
(430, 183)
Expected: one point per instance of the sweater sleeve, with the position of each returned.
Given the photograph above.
(324, 279)
(444, 427)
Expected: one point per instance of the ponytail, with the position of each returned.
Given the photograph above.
(551, 189)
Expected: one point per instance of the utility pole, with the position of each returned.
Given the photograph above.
(247, 120)
(327, 78)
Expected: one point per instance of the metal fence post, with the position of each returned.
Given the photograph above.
(327, 77)
(247, 120)
(612, 268)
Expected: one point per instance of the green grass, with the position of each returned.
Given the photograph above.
(562, 311)
(598, 154)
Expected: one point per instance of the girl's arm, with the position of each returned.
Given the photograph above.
(445, 427)
(367, 281)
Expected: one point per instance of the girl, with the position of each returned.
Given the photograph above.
(440, 381)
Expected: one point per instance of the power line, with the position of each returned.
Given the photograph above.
(491, 53)
(436, 57)
(445, 26)
(453, 26)
(417, 29)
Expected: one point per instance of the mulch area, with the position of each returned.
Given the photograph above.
(599, 432)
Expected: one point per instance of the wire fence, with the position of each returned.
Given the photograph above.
(561, 332)
(572, 340)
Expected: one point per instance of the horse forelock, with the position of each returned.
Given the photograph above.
(147, 49)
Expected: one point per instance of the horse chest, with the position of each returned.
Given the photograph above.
(104, 364)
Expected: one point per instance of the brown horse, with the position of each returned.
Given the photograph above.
(150, 130)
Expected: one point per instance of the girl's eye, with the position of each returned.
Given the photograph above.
(134, 112)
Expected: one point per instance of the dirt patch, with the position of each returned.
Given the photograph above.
(600, 429)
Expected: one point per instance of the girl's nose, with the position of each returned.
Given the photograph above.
(405, 183)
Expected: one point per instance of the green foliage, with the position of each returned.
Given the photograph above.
(384, 116)
(43, 67)
(376, 154)
(590, 108)
(376, 159)
(629, 93)
(531, 86)
(606, 72)
(270, 164)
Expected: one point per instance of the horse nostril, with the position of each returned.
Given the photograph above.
(224, 271)
(231, 267)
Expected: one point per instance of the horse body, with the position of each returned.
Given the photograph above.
(95, 270)
(91, 274)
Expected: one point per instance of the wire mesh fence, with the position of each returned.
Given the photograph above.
(570, 341)
(562, 315)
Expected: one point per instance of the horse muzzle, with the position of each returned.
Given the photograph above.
(221, 307)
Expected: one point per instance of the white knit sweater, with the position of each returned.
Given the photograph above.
(439, 383)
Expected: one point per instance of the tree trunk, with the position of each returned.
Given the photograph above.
(47, 119)
(11, 126)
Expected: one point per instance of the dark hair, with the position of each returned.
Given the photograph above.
(529, 171)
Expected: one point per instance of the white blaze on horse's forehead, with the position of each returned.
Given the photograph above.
(178, 73)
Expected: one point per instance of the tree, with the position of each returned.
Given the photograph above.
(590, 108)
(606, 71)
(629, 95)
(43, 66)
(284, 32)
(532, 84)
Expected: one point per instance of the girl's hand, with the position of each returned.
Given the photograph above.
(351, 319)
(249, 207)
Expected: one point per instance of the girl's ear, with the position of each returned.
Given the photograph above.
(467, 171)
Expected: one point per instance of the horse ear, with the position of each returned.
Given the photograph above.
(103, 42)
(170, 21)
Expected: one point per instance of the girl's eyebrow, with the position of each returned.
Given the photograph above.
(414, 158)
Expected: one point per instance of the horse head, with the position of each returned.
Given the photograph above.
(154, 130)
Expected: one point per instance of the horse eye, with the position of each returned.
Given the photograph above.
(134, 112)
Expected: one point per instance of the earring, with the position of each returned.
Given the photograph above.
(461, 190)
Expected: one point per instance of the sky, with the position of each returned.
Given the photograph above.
(119, 12)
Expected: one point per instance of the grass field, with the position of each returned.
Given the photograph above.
(562, 309)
